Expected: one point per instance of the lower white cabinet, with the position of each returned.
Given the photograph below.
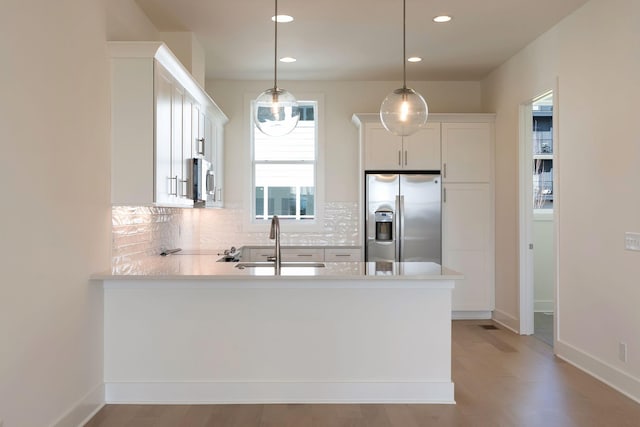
(303, 254)
(342, 254)
(467, 244)
(315, 254)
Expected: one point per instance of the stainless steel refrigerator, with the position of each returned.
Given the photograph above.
(403, 217)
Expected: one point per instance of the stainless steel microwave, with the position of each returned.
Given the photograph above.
(202, 189)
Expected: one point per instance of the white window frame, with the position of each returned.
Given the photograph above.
(252, 224)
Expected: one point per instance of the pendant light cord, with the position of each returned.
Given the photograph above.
(275, 54)
(404, 44)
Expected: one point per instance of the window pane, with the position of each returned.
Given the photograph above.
(259, 201)
(282, 201)
(307, 201)
(543, 184)
(296, 146)
(284, 175)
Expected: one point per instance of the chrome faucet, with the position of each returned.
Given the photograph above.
(274, 233)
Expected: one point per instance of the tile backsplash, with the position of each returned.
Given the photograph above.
(139, 232)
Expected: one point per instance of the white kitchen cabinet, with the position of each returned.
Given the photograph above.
(315, 254)
(467, 244)
(383, 150)
(303, 254)
(465, 147)
(467, 154)
(152, 132)
(208, 143)
(342, 255)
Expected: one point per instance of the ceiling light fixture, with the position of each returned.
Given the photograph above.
(442, 18)
(288, 59)
(414, 59)
(276, 111)
(404, 110)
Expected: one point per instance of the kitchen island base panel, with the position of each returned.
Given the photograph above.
(185, 344)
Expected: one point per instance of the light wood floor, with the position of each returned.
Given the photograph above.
(501, 379)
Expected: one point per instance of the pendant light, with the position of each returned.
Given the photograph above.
(404, 110)
(276, 110)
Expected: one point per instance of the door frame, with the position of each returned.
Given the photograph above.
(525, 217)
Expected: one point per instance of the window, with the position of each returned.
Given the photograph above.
(285, 170)
(543, 153)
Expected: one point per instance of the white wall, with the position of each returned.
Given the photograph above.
(342, 99)
(55, 222)
(593, 52)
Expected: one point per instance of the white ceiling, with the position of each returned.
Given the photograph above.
(358, 39)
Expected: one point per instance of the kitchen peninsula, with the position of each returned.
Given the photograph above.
(187, 329)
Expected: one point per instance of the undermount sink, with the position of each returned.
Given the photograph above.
(283, 265)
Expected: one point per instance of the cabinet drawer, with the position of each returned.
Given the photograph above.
(260, 254)
(303, 254)
(342, 254)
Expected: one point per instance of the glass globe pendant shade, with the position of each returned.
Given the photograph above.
(276, 112)
(403, 112)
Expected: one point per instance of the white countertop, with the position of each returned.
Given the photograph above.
(205, 267)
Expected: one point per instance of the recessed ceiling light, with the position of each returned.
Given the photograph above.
(282, 18)
(288, 59)
(414, 59)
(442, 18)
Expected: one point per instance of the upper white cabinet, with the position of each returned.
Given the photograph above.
(384, 151)
(156, 127)
(467, 154)
(208, 143)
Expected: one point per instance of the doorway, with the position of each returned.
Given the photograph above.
(538, 201)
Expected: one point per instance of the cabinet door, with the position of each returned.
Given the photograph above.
(466, 152)
(303, 254)
(187, 142)
(467, 231)
(165, 182)
(383, 150)
(260, 254)
(218, 137)
(421, 151)
(342, 255)
(177, 98)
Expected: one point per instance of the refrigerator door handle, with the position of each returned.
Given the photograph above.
(401, 239)
(398, 224)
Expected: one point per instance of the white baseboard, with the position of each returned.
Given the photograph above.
(610, 375)
(470, 315)
(544, 306)
(508, 321)
(84, 409)
(280, 392)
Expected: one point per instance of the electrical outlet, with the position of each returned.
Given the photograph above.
(632, 241)
(622, 351)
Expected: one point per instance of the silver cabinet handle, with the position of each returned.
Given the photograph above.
(171, 191)
(211, 183)
(399, 162)
(303, 255)
(184, 187)
(444, 170)
(343, 255)
(444, 196)
(200, 146)
(401, 257)
(405, 157)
